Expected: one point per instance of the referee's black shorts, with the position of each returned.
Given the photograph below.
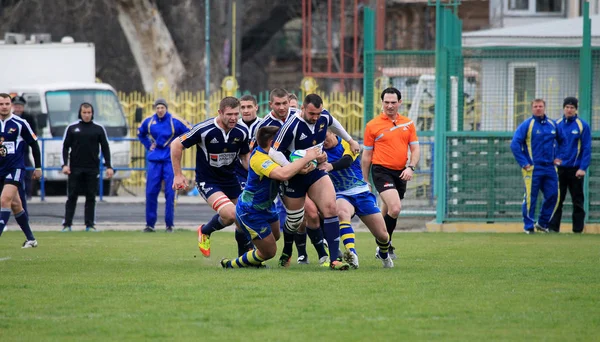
(386, 179)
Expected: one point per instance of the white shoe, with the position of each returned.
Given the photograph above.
(303, 259)
(30, 244)
(324, 261)
(387, 263)
(351, 258)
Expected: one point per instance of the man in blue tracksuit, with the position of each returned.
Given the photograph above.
(156, 133)
(573, 159)
(533, 146)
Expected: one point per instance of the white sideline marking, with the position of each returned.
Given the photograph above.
(6, 258)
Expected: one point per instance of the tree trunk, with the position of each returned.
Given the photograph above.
(150, 42)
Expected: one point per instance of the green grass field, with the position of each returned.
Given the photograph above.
(134, 286)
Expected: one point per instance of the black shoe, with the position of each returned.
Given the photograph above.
(148, 229)
(169, 229)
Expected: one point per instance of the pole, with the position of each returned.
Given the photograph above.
(585, 85)
(207, 54)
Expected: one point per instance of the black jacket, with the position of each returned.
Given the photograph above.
(84, 139)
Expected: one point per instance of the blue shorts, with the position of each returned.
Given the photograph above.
(14, 177)
(231, 190)
(297, 186)
(364, 203)
(255, 224)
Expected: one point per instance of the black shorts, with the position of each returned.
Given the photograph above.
(386, 179)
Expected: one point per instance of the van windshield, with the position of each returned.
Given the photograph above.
(63, 107)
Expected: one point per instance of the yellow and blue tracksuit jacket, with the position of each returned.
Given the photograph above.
(575, 147)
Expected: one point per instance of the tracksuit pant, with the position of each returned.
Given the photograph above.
(542, 178)
(157, 171)
(86, 179)
(567, 180)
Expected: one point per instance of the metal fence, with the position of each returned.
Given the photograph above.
(469, 101)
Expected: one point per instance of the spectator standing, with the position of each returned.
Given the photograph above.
(156, 134)
(81, 161)
(573, 159)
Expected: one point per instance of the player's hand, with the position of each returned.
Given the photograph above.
(110, 172)
(66, 170)
(354, 145)
(557, 161)
(152, 147)
(407, 174)
(306, 169)
(325, 167)
(37, 174)
(580, 173)
(321, 158)
(527, 167)
(180, 183)
(313, 153)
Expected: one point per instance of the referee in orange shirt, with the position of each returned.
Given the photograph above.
(387, 140)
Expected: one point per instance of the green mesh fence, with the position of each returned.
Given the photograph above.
(487, 102)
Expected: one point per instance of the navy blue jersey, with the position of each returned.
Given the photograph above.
(217, 150)
(15, 136)
(242, 173)
(298, 134)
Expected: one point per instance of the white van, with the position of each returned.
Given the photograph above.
(55, 106)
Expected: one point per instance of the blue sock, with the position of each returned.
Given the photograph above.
(348, 236)
(243, 244)
(213, 225)
(4, 216)
(23, 221)
(331, 226)
(316, 237)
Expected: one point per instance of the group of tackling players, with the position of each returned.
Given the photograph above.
(243, 172)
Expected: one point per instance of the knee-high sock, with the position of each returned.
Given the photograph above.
(384, 246)
(316, 238)
(215, 223)
(249, 259)
(348, 236)
(288, 243)
(23, 221)
(390, 224)
(300, 239)
(292, 223)
(4, 216)
(331, 226)
(243, 244)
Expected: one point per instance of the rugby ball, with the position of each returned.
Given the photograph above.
(299, 154)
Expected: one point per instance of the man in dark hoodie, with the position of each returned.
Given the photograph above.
(81, 150)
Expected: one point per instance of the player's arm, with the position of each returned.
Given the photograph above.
(106, 152)
(517, 144)
(586, 150)
(282, 141)
(245, 160)
(337, 128)
(367, 153)
(31, 140)
(143, 134)
(283, 173)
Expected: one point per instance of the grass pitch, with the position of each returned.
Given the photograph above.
(133, 286)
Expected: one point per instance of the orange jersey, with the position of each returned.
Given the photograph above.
(389, 140)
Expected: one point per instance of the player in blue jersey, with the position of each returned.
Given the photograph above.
(303, 131)
(156, 134)
(219, 143)
(354, 196)
(15, 134)
(255, 210)
(248, 119)
(279, 101)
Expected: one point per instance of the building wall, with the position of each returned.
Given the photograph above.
(411, 25)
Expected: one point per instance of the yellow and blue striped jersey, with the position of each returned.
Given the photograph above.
(348, 181)
(260, 191)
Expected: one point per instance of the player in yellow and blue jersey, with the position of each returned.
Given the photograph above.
(255, 210)
(354, 197)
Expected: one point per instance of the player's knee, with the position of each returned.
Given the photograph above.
(344, 214)
(394, 209)
(329, 209)
(294, 219)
